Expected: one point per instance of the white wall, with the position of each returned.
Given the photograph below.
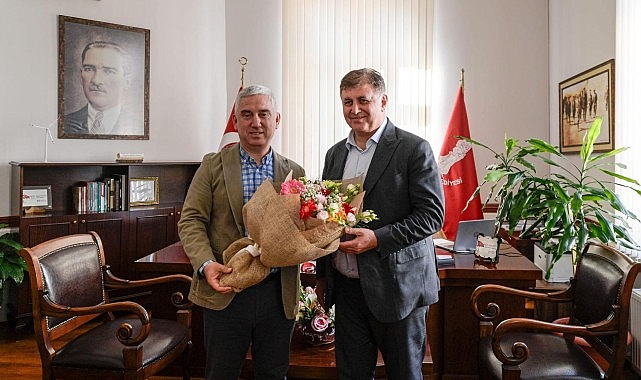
(503, 47)
(187, 102)
(254, 31)
(512, 68)
(582, 35)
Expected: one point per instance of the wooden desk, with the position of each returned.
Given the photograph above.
(451, 317)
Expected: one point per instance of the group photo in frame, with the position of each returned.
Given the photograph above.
(582, 98)
(103, 80)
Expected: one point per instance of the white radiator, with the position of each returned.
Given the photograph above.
(635, 329)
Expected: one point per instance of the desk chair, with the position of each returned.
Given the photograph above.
(523, 348)
(69, 282)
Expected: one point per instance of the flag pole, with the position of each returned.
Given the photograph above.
(243, 62)
(463, 79)
(230, 135)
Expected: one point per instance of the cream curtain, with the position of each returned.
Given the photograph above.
(323, 40)
(627, 95)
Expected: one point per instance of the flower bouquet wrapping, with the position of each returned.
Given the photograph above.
(301, 223)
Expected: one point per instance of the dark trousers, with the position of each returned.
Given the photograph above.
(359, 337)
(254, 317)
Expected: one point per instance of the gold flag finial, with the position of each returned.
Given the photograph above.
(463, 79)
(243, 62)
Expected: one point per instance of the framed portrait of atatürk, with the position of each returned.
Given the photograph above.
(103, 80)
(583, 98)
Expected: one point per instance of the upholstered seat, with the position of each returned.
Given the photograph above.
(523, 348)
(69, 283)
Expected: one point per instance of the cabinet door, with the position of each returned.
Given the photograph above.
(33, 231)
(112, 229)
(150, 231)
(36, 230)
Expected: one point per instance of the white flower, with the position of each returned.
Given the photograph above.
(351, 218)
(323, 215)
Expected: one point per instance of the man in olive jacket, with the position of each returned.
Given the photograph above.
(262, 315)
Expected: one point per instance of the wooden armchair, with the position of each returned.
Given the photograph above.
(69, 282)
(522, 348)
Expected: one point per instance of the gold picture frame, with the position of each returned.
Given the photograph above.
(582, 98)
(143, 191)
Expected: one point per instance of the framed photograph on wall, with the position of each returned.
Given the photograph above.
(581, 99)
(103, 80)
(143, 191)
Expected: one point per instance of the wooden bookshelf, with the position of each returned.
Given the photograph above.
(127, 234)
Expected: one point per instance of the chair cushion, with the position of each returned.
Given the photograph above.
(549, 358)
(100, 349)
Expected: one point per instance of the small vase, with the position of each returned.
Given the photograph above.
(316, 338)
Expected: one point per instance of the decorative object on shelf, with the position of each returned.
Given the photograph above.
(48, 137)
(117, 108)
(143, 191)
(566, 208)
(130, 157)
(36, 199)
(315, 325)
(582, 99)
(12, 266)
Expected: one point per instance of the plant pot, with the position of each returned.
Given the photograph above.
(315, 338)
(561, 271)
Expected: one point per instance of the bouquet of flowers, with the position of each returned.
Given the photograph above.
(326, 201)
(302, 222)
(316, 325)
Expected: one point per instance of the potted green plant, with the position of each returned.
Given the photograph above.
(12, 266)
(569, 206)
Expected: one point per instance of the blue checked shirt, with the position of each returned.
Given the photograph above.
(253, 175)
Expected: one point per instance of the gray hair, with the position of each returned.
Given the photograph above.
(256, 89)
(361, 77)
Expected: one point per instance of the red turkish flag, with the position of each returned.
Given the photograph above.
(458, 172)
(230, 136)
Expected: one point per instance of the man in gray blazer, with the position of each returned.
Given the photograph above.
(261, 316)
(384, 279)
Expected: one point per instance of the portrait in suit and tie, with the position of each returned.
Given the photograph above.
(103, 94)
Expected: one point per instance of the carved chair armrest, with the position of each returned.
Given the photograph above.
(520, 351)
(124, 332)
(492, 310)
(178, 299)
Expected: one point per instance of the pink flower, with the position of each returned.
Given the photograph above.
(320, 322)
(293, 186)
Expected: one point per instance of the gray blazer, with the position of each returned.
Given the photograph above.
(403, 187)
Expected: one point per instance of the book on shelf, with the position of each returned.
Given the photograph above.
(101, 195)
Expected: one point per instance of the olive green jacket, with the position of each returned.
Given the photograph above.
(212, 219)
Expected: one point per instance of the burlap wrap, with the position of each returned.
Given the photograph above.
(247, 271)
(273, 222)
